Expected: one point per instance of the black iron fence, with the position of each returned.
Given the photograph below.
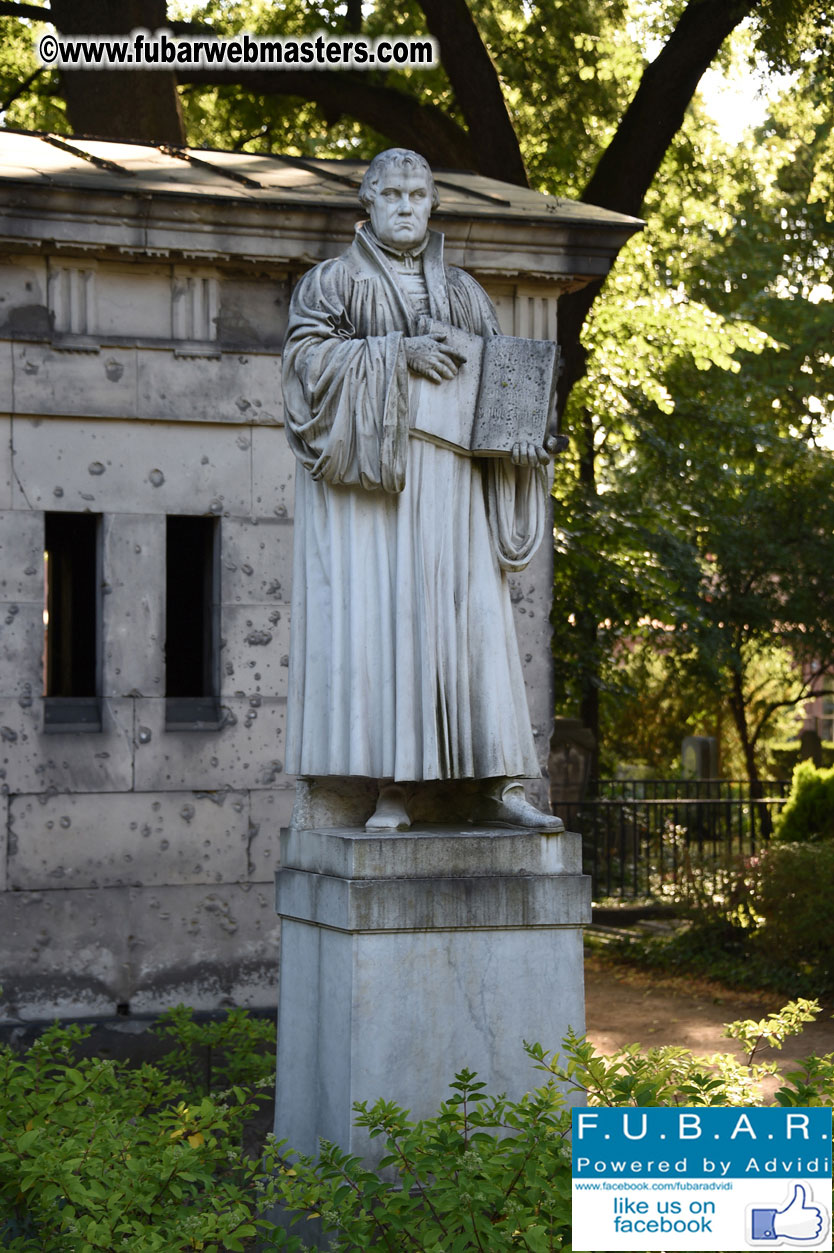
(653, 838)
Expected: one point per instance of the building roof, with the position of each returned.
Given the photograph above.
(101, 198)
(104, 165)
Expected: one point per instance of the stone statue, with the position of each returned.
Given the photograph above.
(404, 664)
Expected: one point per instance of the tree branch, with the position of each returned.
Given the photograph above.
(626, 169)
(393, 113)
(15, 8)
(477, 90)
(629, 164)
(397, 116)
(21, 88)
(10, 8)
(772, 706)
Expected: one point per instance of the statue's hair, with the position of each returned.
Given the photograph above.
(404, 158)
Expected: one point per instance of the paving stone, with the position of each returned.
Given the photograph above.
(21, 647)
(232, 387)
(273, 474)
(146, 949)
(21, 553)
(269, 811)
(208, 948)
(4, 843)
(148, 311)
(22, 306)
(253, 311)
(65, 953)
(6, 494)
(50, 381)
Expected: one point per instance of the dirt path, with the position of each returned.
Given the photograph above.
(626, 1006)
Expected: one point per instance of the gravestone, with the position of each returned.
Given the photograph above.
(572, 748)
(699, 757)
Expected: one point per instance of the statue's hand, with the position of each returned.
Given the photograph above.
(527, 454)
(429, 357)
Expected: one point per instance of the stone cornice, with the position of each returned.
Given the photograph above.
(523, 236)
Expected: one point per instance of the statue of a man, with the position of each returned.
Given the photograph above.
(404, 664)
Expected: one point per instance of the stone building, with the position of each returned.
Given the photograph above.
(146, 494)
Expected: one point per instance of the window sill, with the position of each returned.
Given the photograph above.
(193, 713)
(64, 714)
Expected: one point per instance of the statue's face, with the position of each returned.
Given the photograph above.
(400, 210)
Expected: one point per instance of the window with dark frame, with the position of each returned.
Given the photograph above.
(192, 596)
(72, 621)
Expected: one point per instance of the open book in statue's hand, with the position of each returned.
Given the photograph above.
(501, 395)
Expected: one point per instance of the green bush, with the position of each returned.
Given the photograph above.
(809, 813)
(793, 897)
(488, 1173)
(217, 1053)
(485, 1173)
(770, 928)
(99, 1156)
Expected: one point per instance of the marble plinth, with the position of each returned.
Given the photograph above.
(406, 957)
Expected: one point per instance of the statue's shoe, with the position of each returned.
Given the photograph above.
(511, 808)
(390, 813)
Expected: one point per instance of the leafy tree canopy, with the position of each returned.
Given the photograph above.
(698, 522)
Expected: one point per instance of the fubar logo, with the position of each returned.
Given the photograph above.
(701, 1179)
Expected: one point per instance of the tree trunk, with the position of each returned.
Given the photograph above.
(759, 814)
(628, 165)
(477, 88)
(589, 694)
(11, 8)
(353, 16)
(119, 104)
(489, 145)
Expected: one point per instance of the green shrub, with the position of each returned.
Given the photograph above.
(484, 1173)
(96, 1156)
(488, 1173)
(770, 929)
(793, 897)
(809, 813)
(711, 948)
(99, 1156)
(217, 1053)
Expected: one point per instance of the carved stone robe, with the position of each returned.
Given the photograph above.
(404, 662)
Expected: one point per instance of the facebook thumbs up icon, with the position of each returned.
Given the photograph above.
(797, 1221)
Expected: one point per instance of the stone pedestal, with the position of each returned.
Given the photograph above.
(406, 957)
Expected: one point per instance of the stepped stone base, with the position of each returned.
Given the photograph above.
(406, 957)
